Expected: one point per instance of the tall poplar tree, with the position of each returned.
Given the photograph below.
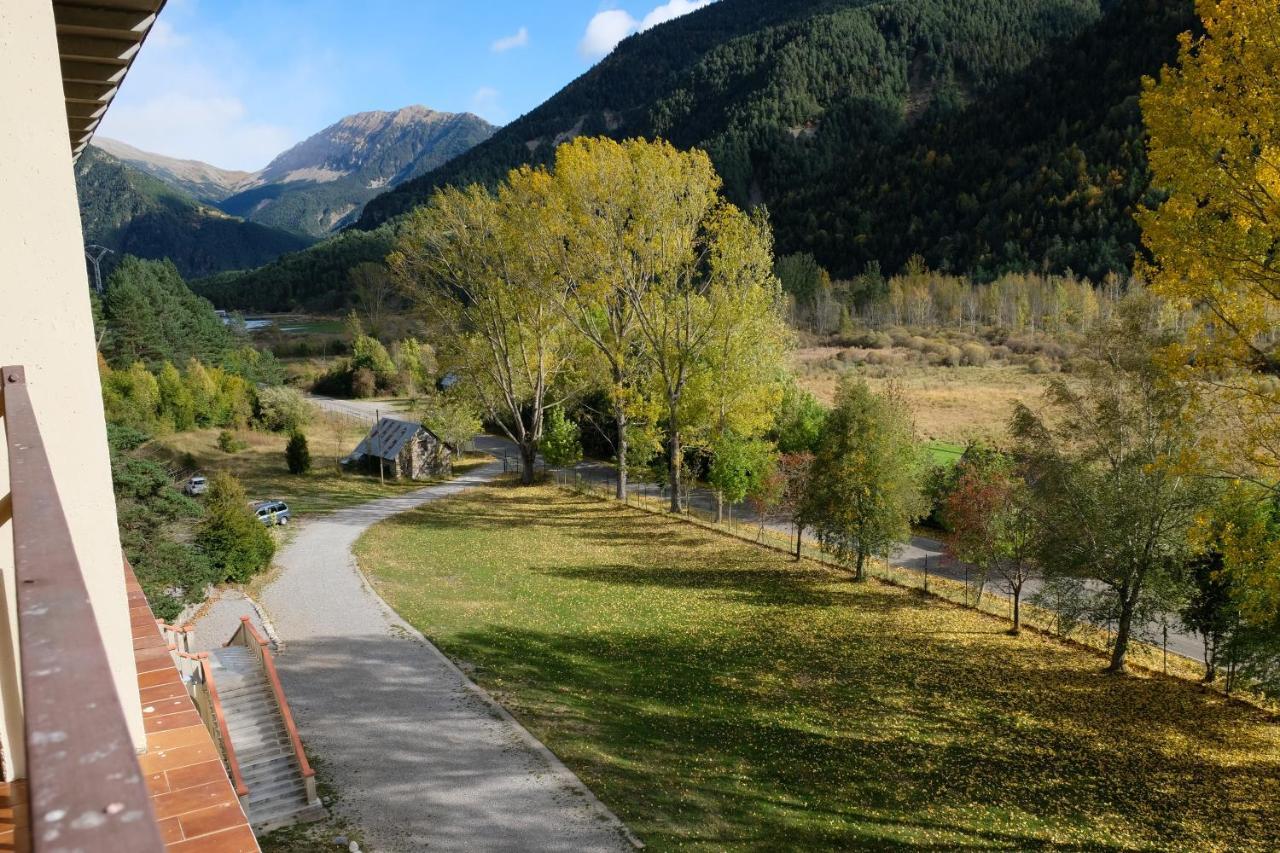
(1214, 126)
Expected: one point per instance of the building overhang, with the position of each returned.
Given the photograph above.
(97, 42)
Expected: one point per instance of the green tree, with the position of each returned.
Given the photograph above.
(799, 420)
(453, 418)
(1117, 472)
(284, 409)
(415, 366)
(561, 444)
(708, 311)
(740, 467)
(297, 455)
(237, 545)
(483, 266)
(863, 487)
(153, 317)
(176, 405)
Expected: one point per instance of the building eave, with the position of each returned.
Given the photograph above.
(97, 43)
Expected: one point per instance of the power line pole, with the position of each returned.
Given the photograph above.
(95, 254)
(377, 419)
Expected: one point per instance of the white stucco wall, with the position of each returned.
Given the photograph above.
(46, 326)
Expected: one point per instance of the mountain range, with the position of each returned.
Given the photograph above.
(986, 137)
(209, 219)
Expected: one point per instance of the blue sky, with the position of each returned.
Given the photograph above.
(235, 82)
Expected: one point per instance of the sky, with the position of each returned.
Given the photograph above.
(235, 82)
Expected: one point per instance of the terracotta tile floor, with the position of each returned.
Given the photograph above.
(15, 834)
(195, 804)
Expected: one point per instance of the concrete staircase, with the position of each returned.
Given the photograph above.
(277, 790)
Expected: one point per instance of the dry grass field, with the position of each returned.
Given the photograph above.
(951, 404)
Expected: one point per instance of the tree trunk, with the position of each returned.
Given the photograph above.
(620, 414)
(1017, 610)
(1123, 628)
(799, 539)
(528, 459)
(1210, 659)
(673, 469)
(859, 570)
(719, 507)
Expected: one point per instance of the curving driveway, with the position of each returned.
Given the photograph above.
(423, 759)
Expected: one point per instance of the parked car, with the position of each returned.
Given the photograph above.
(196, 485)
(272, 513)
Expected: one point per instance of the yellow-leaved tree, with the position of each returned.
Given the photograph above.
(1214, 126)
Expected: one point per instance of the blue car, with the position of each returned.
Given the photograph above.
(272, 513)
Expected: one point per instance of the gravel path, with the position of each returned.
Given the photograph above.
(422, 757)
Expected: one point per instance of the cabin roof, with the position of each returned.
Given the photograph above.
(388, 437)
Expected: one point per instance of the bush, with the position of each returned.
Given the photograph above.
(363, 383)
(229, 442)
(283, 409)
(561, 444)
(952, 356)
(236, 544)
(1039, 365)
(297, 455)
(866, 339)
(974, 354)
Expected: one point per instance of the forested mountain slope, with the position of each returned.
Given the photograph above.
(134, 213)
(986, 135)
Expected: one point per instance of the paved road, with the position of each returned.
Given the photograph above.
(422, 758)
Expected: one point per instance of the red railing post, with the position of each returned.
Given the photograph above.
(86, 789)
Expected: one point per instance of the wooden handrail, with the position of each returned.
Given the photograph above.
(273, 678)
(228, 748)
(86, 787)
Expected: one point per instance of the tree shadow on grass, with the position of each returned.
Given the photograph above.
(884, 753)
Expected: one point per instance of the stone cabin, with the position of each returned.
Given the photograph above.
(406, 449)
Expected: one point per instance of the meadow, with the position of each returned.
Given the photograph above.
(718, 696)
(261, 468)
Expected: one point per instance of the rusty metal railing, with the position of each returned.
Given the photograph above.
(86, 789)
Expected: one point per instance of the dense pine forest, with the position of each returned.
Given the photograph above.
(875, 131)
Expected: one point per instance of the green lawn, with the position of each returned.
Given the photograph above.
(944, 452)
(719, 697)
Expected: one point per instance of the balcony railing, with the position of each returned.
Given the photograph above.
(86, 789)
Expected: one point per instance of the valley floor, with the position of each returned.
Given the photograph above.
(718, 696)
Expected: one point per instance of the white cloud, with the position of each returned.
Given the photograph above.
(192, 95)
(486, 103)
(604, 31)
(519, 39)
(670, 11)
(611, 26)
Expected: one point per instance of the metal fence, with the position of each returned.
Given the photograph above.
(1147, 656)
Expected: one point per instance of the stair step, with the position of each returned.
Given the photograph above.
(265, 751)
(281, 772)
(254, 727)
(250, 708)
(264, 791)
(286, 763)
(292, 799)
